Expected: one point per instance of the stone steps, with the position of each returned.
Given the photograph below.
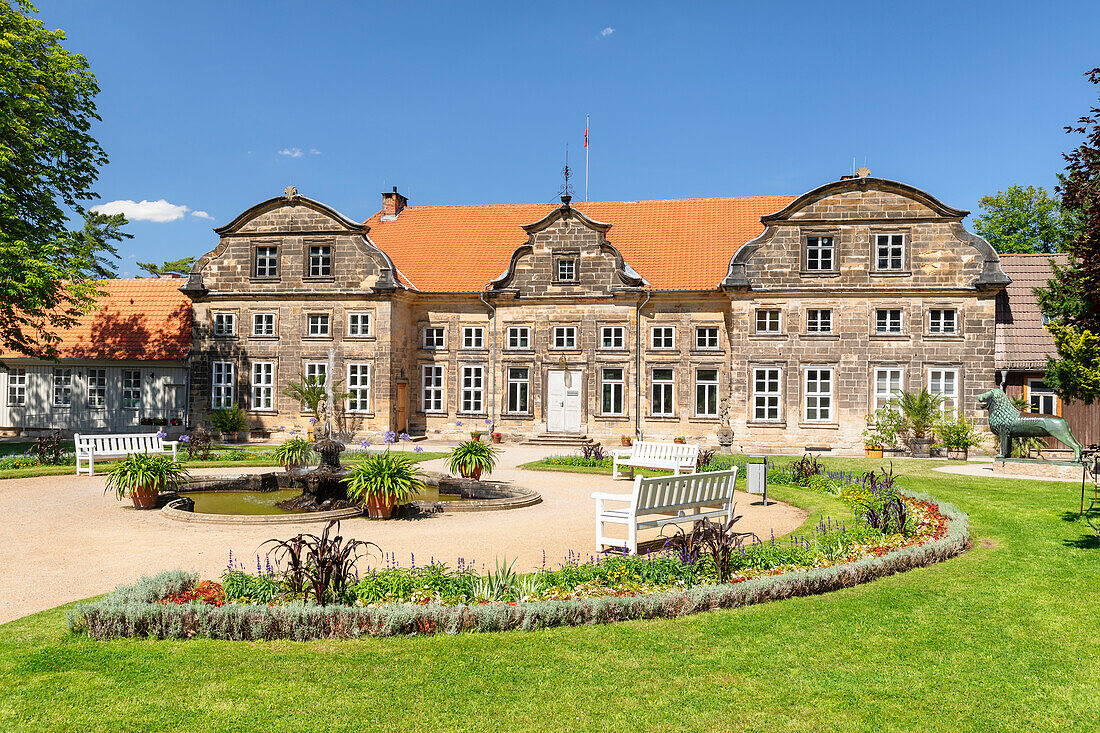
(562, 440)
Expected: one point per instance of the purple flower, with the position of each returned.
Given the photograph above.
(313, 421)
(488, 421)
(390, 437)
(185, 439)
(403, 436)
(458, 423)
(364, 444)
(418, 449)
(161, 434)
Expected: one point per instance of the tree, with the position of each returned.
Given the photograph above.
(1024, 220)
(181, 266)
(48, 160)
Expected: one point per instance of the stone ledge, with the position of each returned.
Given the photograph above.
(1037, 468)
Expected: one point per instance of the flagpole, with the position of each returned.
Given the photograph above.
(586, 158)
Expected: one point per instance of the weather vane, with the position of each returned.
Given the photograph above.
(566, 189)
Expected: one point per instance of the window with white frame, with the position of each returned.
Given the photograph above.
(706, 337)
(706, 392)
(131, 389)
(358, 324)
(567, 270)
(945, 383)
(565, 337)
(662, 390)
(358, 387)
(263, 385)
(820, 254)
(263, 324)
(225, 324)
(97, 388)
(473, 388)
(888, 320)
(519, 384)
(17, 387)
(317, 324)
(473, 337)
(431, 382)
(766, 392)
(519, 337)
(612, 337)
(62, 387)
(320, 260)
(889, 252)
(942, 321)
(316, 372)
(662, 337)
(221, 385)
(767, 320)
(433, 337)
(611, 391)
(819, 320)
(889, 383)
(267, 262)
(819, 394)
(1041, 398)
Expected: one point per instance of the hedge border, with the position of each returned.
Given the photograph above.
(128, 613)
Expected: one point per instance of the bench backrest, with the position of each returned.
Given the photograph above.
(661, 493)
(683, 453)
(120, 444)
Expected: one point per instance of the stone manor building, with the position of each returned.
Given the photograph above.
(602, 319)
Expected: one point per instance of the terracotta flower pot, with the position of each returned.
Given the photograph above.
(873, 451)
(476, 438)
(144, 498)
(497, 438)
(626, 442)
(379, 508)
(475, 474)
(678, 441)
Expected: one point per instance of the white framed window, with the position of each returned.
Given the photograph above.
(567, 270)
(612, 387)
(766, 393)
(519, 337)
(359, 324)
(17, 387)
(519, 385)
(316, 372)
(612, 337)
(819, 320)
(768, 320)
(945, 382)
(263, 385)
(320, 260)
(97, 388)
(888, 320)
(662, 337)
(819, 394)
(263, 324)
(433, 337)
(473, 388)
(431, 382)
(662, 389)
(473, 337)
(889, 383)
(131, 389)
(565, 337)
(225, 324)
(317, 324)
(706, 337)
(943, 321)
(267, 261)
(1041, 398)
(358, 387)
(706, 392)
(889, 252)
(221, 385)
(820, 254)
(62, 387)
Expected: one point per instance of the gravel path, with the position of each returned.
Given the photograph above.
(64, 539)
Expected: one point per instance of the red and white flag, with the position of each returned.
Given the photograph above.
(586, 136)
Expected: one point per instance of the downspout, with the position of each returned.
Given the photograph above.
(492, 361)
(638, 366)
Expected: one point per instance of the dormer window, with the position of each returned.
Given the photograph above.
(320, 261)
(820, 254)
(567, 270)
(267, 262)
(890, 252)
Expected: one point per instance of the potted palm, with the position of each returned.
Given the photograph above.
(958, 437)
(382, 481)
(293, 453)
(142, 476)
(471, 458)
(920, 411)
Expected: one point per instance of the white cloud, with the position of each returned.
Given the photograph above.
(607, 31)
(291, 152)
(314, 151)
(201, 215)
(158, 211)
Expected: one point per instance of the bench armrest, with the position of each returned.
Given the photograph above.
(612, 497)
(621, 452)
(170, 443)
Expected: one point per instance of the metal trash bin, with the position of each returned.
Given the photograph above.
(757, 478)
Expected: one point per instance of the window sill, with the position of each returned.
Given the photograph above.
(766, 424)
(821, 336)
(707, 352)
(360, 338)
(516, 416)
(891, 273)
(263, 412)
(819, 273)
(479, 351)
(768, 337)
(616, 350)
(518, 352)
(944, 336)
(257, 279)
(431, 348)
(664, 418)
(819, 425)
(565, 350)
(611, 418)
(889, 337)
(662, 352)
(705, 418)
(263, 338)
(324, 279)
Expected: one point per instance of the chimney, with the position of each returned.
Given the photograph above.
(392, 204)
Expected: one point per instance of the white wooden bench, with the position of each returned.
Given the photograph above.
(90, 447)
(663, 500)
(651, 454)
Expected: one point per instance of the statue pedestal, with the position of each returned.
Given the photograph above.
(1037, 467)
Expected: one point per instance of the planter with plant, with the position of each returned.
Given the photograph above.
(496, 436)
(958, 437)
(475, 435)
(142, 476)
(383, 481)
(680, 439)
(883, 432)
(920, 412)
(626, 441)
(293, 453)
(230, 422)
(471, 458)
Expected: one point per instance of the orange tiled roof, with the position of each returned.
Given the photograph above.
(137, 319)
(676, 244)
(1022, 341)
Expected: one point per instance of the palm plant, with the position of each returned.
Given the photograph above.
(920, 410)
(294, 452)
(383, 480)
(471, 458)
(142, 476)
(310, 392)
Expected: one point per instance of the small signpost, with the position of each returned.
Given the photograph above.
(757, 470)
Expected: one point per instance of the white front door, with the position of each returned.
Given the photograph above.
(563, 395)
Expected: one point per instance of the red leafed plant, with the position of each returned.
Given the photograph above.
(206, 591)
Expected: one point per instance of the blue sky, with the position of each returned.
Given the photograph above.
(214, 106)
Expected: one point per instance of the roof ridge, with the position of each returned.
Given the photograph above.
(577, 204)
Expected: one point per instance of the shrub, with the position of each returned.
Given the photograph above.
(920, 411)
(804, 469)
(294, 452)
(198, 443)
(880, 506)
(470, 456)
(717, 539)
(388, 477)
(240, 586)
(957, 434)
(593, 451)
(229, 419)
(885, 428)
(319, 567)
(48, 449)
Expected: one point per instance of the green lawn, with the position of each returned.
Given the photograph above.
(1002, 638)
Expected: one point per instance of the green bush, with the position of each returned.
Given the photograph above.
(294, 452)
(391, 477)
(229, 419)
(144, 471)
(471, 456)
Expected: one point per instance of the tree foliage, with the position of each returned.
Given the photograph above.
(181, 266)
(48, 162)
(1024, 220)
